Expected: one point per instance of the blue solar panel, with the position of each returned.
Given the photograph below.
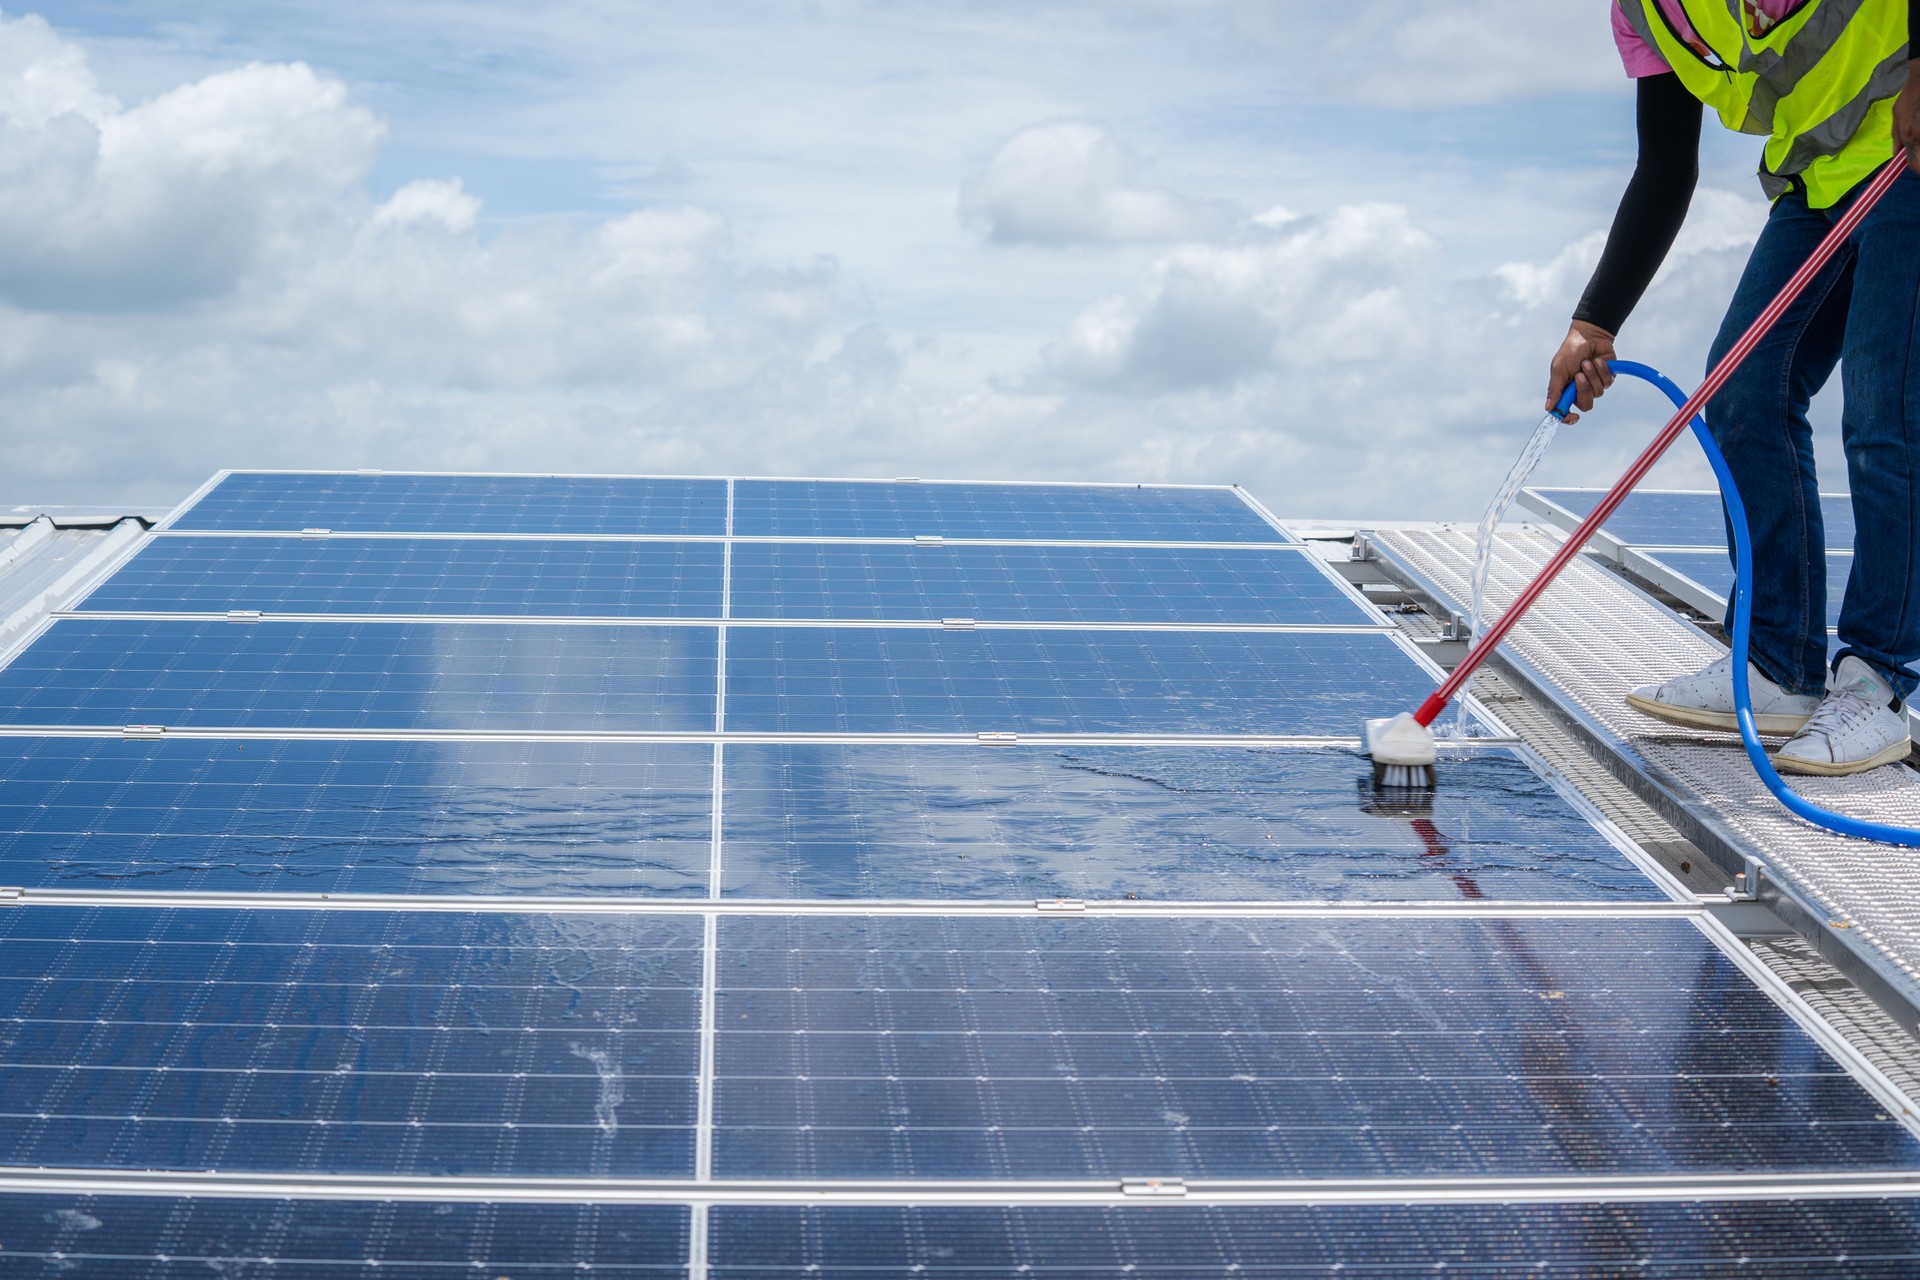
(1194, 585)
(363, 675)
(449, 576)
(603, 505)
(1713, 571)
(869, 680)
(167, 1238)
(278, 816)
(344, 1042)
(1001, 512)
(1150, 823)
(1654, 519)
(950, 1048)
(1778, 1239)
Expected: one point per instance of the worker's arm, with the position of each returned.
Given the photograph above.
(1667, 118)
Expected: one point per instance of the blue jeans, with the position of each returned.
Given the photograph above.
(1861, 314)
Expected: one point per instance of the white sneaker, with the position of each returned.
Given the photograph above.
(1855, 729)
(1704, 700)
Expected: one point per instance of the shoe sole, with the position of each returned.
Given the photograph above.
(1791, 764)
(1700, 718)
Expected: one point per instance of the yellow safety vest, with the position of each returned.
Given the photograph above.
(1819, 84)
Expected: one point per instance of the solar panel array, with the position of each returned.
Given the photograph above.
(478, 874)
(1678, 540)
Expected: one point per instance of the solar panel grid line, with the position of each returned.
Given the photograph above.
(828, 908)
(932, 483)
(275, 734)
(745, 539)
(613, 620)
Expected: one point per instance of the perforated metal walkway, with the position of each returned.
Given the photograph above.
(1593, 637)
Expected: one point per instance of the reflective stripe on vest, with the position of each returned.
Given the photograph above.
(1819, 84)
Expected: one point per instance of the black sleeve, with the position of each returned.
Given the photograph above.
(1650, 214)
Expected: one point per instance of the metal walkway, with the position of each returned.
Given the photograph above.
(1593, 637)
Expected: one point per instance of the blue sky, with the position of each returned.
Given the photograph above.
(1323, 251)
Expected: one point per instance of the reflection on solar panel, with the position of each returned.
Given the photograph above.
(914, 1048)
(1712, 572)
(1001, 512)
(853, 680)
(372, 675)
(1655, 519)
(1149, 823)
(1780, 1239)
(536, 505)
(332, 939)
(1036, 584)
(540, 819)
(389, 576)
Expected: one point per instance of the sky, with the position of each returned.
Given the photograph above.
(1322, 251)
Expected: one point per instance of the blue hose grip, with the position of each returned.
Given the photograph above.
(1565, 406)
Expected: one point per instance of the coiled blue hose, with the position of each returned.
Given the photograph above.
(1742, 620)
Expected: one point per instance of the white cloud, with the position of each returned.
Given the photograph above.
(1074, 183)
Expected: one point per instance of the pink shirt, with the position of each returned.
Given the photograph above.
(1642, 59)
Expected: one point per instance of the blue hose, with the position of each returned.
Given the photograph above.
(1742, 620)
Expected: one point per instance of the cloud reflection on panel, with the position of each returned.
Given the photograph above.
(1148, 824)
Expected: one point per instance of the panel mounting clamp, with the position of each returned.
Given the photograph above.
(1060, 906)
(928, 539)
(316, 533)
(1746, 884)
(12, 893)
(1152, 1187)
(998, 739)
(144, 731)
(243, 615)
(957, 624)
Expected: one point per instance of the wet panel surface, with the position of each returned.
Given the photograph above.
(1778, 1239)
(356, 817)
(1153, 823)
(892, 1047)
(349, 1042)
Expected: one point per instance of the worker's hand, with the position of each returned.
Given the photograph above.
(1906, 117)
(1581, 359)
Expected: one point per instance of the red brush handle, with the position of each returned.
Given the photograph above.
(1882, 181)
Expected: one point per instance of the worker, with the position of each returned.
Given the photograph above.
(1830, 84)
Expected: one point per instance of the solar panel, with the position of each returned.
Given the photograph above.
(931, 1048)
(161, 1238)
(440, 576)
(801, 945)
(1800, 1239)
(349, 1042)
(1037, 584)
(430, 818)
(1153, 824)
(867, 680)
(363, 675)
(1655, 519)
(1712, 572)
(413, 503)
(997, 512)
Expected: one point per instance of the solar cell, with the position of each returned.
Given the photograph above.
(346, 1042)
(351, 503)
(1656, 519)
(1000, 512)
(279, 816)
(1713, 571)
(363, 675)
(167, 1238)
(1152, 823)
(209, 574)
(869, 680)
(1810, 1239)
(1194, 585)
(942, 1048)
